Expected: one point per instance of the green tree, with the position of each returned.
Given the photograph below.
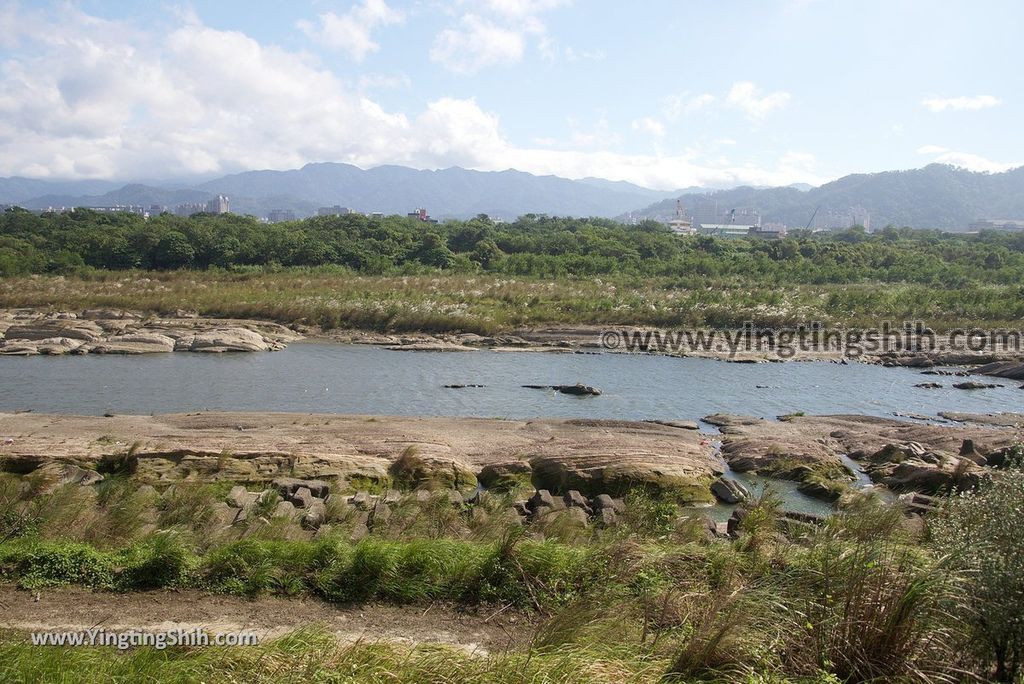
(487, 254)
(434, 251)
(173, 251)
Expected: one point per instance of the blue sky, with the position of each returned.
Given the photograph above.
(665, 94)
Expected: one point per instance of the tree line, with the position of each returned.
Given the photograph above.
(540, 246)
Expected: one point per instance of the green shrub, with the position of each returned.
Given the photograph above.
(981, 533)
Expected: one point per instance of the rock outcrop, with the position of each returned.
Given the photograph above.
(594, 457)
(109, 331)
(899, 454)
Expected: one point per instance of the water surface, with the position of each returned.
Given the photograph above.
(337, 378)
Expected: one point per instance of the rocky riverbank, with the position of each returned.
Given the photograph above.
(592, 456)
(589, 455)
(25, 332)
(903, 456)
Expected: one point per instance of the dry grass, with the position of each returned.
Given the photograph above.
(332, 298)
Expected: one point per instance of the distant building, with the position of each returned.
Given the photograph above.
(218, 205)
(680, 224)
(726, 230)
(421, 215)
(997, 224)
(336, 210)
(113, 209)
(189, 208)
(156, 209)
(279, 215)
(770, 231)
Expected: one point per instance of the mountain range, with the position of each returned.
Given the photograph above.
(446, 193)
(936, 196)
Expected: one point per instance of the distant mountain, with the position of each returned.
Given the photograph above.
(137, 194)
(17, 190)
(454, 192)
(936, 196)
(450, 192)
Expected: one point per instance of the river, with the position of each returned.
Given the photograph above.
(338, 378)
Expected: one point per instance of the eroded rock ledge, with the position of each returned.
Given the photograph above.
(112, 331)
(595, 457)
(901, 455)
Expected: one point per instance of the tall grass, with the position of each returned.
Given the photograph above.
(487, 303)
(313, 655)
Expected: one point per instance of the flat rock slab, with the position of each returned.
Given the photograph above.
(259, 447)
(757, 444)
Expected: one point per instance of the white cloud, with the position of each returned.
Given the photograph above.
(649, 125)
(976, 102)
(523, 8)
(87, 97)
(747, 97)
(965, 160)
(493, 33)
(351, 32)
(674, 106)
(476, 42)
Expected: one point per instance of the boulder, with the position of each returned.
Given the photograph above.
(819, 489)
(578, 389)
(363, 501)
(285, 509)
(379, 516)
(608, 517)
(605, 502)
(226, 340)
(316, 514)
(577, 515)
(286, 486)
(736, 521)
(134, 343)
(573, 499)
(929, 385)
(238, 497)
(974, 385)
(224, 515)
(683, 475)
(412, 470)
(729, 491)
(542, 497)
(51, 346)
(302, 498)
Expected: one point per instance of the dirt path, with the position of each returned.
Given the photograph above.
(73, 608)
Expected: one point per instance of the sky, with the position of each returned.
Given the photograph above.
(667, 94)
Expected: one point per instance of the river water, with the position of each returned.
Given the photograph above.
(338, 378)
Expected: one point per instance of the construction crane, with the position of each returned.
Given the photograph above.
(811, 220)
